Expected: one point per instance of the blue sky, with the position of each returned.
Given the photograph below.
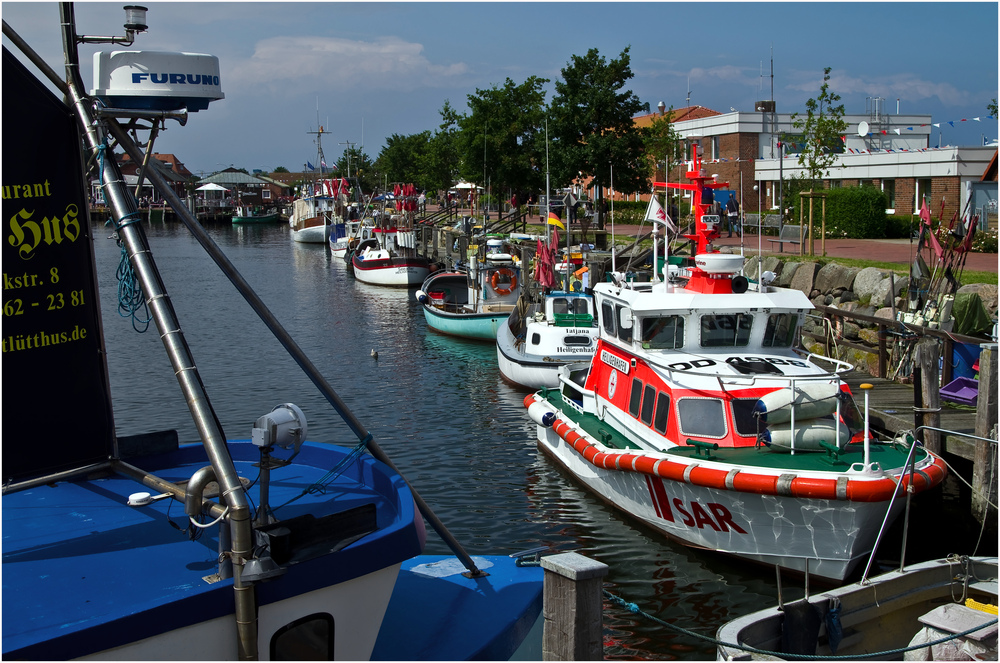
(377, 69)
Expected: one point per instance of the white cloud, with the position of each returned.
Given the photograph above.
(388, 63)
(906, 86)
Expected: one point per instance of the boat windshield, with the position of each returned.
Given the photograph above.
(780, 330)
(726, 330)
(664, 332)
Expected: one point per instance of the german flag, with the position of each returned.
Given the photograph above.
(554, 220)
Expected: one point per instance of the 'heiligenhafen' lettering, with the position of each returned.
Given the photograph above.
(19, 342)
(176, 79)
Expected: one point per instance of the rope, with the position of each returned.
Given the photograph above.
(131, 302)
(324, 481)
(632, 607)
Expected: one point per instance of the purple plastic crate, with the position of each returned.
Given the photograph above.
(961, 390)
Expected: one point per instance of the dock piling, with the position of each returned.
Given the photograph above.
(572, 608)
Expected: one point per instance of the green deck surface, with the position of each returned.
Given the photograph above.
(887, 455)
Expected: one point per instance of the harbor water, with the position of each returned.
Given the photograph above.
(439, 409)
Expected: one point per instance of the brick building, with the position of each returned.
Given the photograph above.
(891, 152)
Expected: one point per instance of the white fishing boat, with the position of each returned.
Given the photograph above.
(548, 328)
(534, 344)
(942, 609)
(389, 255)
(699, 416)
(320, 211)
(473, 303)
(141, 548)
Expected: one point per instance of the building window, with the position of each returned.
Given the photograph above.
(836, 184)
(889, 189)
(923, 193)
(265, 194)
(715, 148)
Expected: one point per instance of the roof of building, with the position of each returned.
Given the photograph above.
(231, 177)
(677, 115)
(169, 160)
(990, 174)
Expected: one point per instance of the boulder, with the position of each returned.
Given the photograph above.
(884, 313)
(804, 276)
(866, 281)
(848, 296)
(786, 274)
(833, 276)
(869, 336)
(888, 289)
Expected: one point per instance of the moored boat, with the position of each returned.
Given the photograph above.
(698, 416)
(319, 211)
(547, 329)
(921, 607)
(246, 214)
(388, 255)
(141, 548)
(533, 344)
(473, 303)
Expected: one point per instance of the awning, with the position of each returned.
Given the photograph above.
(212, 186)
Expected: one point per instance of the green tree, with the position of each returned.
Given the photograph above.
(822, 130)
(502, 141)
(280, 169)
(354, 163)
(992, 107)
(592, 129)
(402, 158)
(441, 161)
(663, 143)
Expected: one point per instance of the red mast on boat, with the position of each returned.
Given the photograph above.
(704, 233)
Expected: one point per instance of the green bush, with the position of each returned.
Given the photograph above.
(984, 242)
(900, 227)
(855, 212)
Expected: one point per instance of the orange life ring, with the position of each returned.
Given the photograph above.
(511, 278)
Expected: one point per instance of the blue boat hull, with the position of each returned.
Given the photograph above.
(478, 326)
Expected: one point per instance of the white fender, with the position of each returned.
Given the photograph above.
(811, 400)
(541, 414)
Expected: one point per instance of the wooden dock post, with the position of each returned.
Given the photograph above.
(927, 392)
(984, 470)
(572, 608)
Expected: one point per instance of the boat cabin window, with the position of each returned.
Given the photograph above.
(780, 330)
(701, 417)
(664, 332)
(624, 318)
(536, 338)
(307, 639)
(726, 330)
(560, 305)
(662, 410)
(576, 340)
(635, 397)
(648, 400)
(746, 424)
(608, 317)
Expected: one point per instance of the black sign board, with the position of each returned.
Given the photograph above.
(56, 402)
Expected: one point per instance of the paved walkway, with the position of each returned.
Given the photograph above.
(901, 251)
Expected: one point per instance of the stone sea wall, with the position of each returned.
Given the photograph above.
(869, 291)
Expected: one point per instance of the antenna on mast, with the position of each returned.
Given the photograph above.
(689, 90)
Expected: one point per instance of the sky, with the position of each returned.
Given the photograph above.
(368, 70)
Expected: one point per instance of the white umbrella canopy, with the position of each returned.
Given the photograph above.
(466, 185)
(212, 186)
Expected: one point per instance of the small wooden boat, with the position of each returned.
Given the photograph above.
(246, 214)
(906, 608)
(475, 302)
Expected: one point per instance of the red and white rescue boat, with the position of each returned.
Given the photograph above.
(699, 416)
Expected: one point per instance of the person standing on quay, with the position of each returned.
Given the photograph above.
(733, 212)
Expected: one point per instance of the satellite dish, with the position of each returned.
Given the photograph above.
(862, 128)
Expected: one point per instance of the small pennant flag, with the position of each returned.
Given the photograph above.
(555, 221)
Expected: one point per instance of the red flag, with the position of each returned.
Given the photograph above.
(925, 214)
(935, 244)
